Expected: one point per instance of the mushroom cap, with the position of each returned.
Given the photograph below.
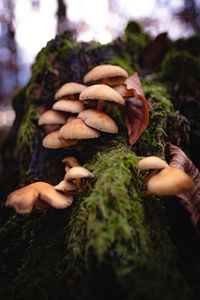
(69, 88)
(65, 186)
(53, 141)
(73, 107)
(52, 117)
(77, 129)
(123, 91)
(78, 172)
(115, 74)
(98, 120)
(170, 181)
(23, 200)
(71, 161)
(152, 162)
(101, 92)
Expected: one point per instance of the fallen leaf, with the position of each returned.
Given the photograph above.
(190, 200)
(136, 110)
(133, 83)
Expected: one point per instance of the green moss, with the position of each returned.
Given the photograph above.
(178, 66)
(112, 233)
(152, 140)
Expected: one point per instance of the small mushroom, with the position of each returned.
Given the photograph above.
(54, 141)
(98, 120)
(23, 200)
(101, 92)
(71, 161)
(51, 120)
(170, 181)
(65, 186)
(78, 173)
(71, 90)
(52, 117)
(74, 107)
(107, 74)
(152, 162)
(77, 129)
(123, 91)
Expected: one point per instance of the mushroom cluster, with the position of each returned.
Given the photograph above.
(164, 180)
(77, 115)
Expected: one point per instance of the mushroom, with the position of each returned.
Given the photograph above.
(107, 74)
(54, 141)
(74, 107)
(71, 161)
(78, 173)
(65, 186)
(170, 181)
(51, 120)
(101, 92)
(123, 91)
(152, 162)
(77, 129)
(98, 120)
(24, 199)
(71, 90)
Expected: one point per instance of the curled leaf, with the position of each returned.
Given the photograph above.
(133, 83)
(136, 109)
(190, 200)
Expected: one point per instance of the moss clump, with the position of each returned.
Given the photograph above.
(118, 237)
(152, 140)
(112, 242)
(174, 67)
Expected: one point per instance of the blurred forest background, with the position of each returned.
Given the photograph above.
(26, 26)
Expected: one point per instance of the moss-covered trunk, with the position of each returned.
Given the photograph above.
(114, 241)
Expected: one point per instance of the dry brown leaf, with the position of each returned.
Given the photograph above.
(136, 110)
(190, 200)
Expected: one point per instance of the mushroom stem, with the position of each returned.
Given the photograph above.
(100, 104)
(78, 182)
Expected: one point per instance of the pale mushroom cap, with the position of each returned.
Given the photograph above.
(71, 161)
(53, 141)
(23, 200)
(65, 186)
(74, 107)
(98, 120)
(101, 92)
(69, 88)
(52, 117)
(170, 181)
(78, 172)
(105, 71)
(152, 162)
(123, 91)
(77, 129)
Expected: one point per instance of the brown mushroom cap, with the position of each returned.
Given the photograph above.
(123, 91)
(23, 200)
(52, 117)
(65, 186)
(69, 88)
(53, 141)
(78, 172)
(74, 107)
(101, 92)
(71, 161)
(113, 74)
(170, 181)
(98, 120)
(152, 162)
(77, 129)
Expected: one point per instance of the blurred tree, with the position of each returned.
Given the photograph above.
(8, 50)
